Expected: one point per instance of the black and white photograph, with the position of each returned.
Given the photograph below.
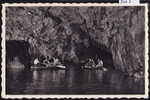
(74, 50)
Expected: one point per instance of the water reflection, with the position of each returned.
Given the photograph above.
(70, 81)
(17, 79)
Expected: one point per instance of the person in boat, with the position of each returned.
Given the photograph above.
(49, 61)
(41, 59)
(57, 63)
(36, 61)
(100, 63)
(90, 63)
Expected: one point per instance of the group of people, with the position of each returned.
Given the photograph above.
(91, 64)
(46, 60)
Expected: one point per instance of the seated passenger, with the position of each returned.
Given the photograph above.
(51, 60)
(56, 61)
(90, 63)
(100, 63)
(36, 61)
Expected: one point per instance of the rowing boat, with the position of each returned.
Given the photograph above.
(45, 67)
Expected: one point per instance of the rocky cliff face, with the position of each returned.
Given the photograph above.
(69, 32)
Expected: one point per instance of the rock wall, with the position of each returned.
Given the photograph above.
(67, 31)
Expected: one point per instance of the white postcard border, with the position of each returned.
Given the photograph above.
(3, 92)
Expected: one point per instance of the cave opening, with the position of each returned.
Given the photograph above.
(87, 47)
(18, 49)
(96, 51)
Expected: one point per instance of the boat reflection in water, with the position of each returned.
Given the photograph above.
(70, 81)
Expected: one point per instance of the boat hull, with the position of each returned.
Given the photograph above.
(92, 68)
(42, 67)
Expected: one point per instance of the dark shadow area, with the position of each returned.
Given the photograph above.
(22, 76)
(71, 81)
(97, 51)
(18, 49)
(88, 47)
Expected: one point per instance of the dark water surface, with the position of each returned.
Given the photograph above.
(70, 81)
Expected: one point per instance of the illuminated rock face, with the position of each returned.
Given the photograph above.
(71, 32)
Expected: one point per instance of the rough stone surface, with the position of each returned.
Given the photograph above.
(64, 31)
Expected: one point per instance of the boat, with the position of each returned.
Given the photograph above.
(61, 66)
(45, 67)
(95, 68)
(89, 67)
